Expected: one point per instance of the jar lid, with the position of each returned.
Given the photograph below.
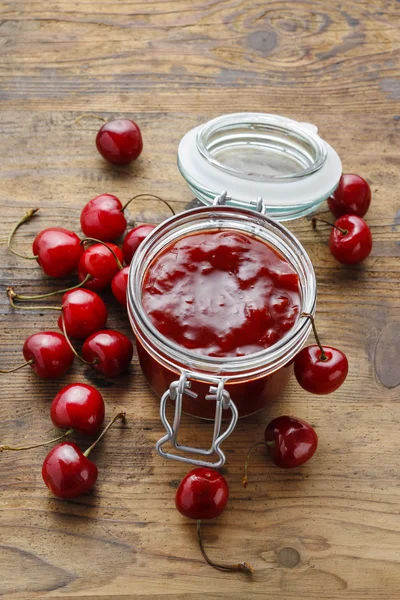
(252, 155)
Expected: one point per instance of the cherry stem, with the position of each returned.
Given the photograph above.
(120, 267)
(148, 196)
(11, 299)
(245, 479)
(12, 295)
(311, 317)
(121, 416)
(86, 362)
(243, 567)
(27, 217)
(314, 221)
(57, 439)
(29, 362)
(89, 116)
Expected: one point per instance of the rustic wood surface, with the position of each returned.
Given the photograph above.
(327, 531)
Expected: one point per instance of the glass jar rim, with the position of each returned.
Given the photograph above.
(264, 124)
(231, 367)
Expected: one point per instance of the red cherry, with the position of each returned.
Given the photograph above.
(78, 406)
(351, 197)
(119, 141)
(101, 264)
(350, 241)
(290, 441)
(119, 285)
(202, 494)
(58, 251)
(103, 218)
(111, 350)
(133, 239)
(67, 472)
(84, 313)
(319, 373)
(50, 354)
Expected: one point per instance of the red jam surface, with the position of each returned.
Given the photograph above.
(221, 293)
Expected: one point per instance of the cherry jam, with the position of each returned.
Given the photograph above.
(221, 293)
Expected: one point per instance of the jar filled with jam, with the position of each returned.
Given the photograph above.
(215, 300)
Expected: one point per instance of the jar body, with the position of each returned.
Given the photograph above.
(249, 395)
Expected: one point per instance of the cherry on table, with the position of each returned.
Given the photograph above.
(119, 141)
(119, 285)
(84, 313)
(100, 262)
(47, 353)
(78, 406)
(320, 369)
(67, 471)
(133, 239)
(351, 197)
(109, 351)
(350, 241)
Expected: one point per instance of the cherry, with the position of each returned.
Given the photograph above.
(78, 406)
(119, 141)
(68, 472)
(101, 262)
(109, 351)
(84, 313)
(119, 285)
(133, 239)
(351, 197)
(350, 241)
(320, 369)
(57, 250)
(203, 494)
(103, 218)
(290, 442)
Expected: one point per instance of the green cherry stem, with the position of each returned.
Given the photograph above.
(12, 294)
(148, 196)
(314, 221)
(96, 241)
(57, 439)
(85, 362)
(121, 415)
(27, 217)
(29, 362)
(245, 479)
(312, 319)
(243, 567)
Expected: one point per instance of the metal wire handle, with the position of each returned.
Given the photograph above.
(222, 400)
(223, 198)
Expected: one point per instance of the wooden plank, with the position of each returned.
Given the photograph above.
(327, 531)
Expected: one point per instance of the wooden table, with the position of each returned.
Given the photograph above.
(328, 530)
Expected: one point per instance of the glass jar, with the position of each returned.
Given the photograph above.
(211, 387)
(284, 161)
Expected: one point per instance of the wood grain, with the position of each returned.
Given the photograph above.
(329, 530)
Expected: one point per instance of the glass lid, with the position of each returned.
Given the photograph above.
(254, 155)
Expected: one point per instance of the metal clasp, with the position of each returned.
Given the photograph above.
(223, 198)
(222, 400)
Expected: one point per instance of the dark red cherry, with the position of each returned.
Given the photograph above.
(58, 251)
(111, 350)
(290, 442)
(119, 141)
(351, 197)
(103, 218)
(133, 239)
(78, 406)
(202, 494)
(350, 241)
(50, 353)
(101, 264)
(67, 472)
(119, 285)
(84, 313)
(320, 373)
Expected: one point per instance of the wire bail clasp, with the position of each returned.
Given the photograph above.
(223, 198)
(223, 401)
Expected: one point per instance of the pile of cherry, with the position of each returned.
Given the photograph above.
(203, 493)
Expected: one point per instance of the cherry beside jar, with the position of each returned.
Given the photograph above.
(211, 385)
